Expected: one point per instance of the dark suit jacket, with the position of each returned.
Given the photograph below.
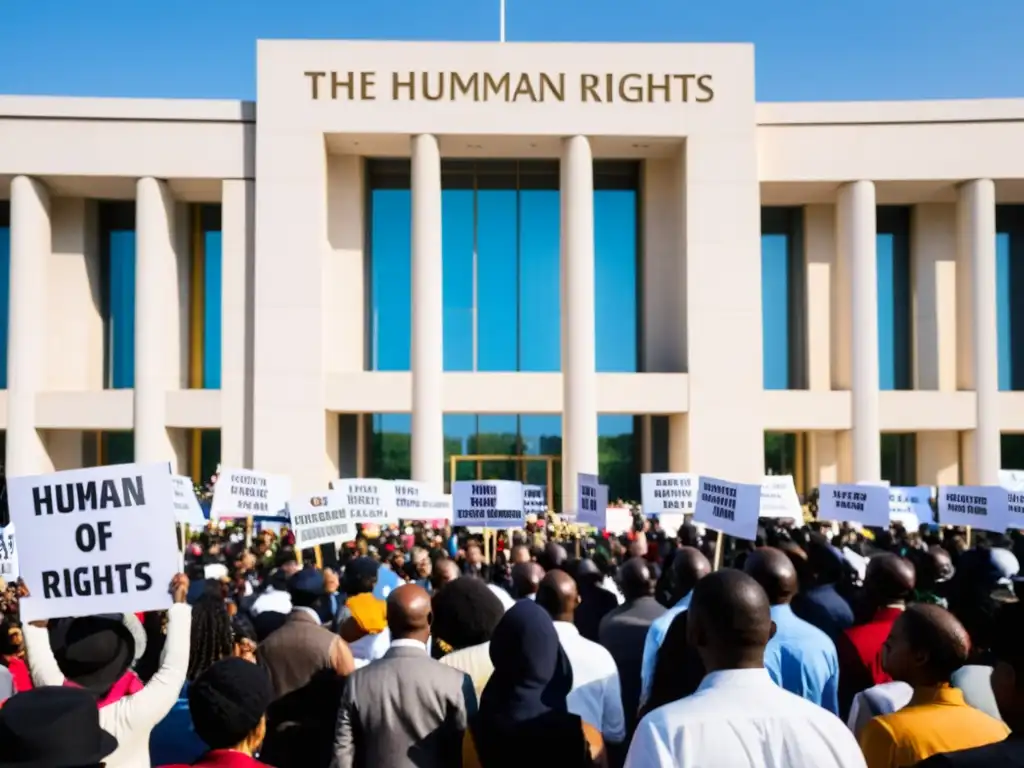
(1002, 754)
(623, 632)
(403, 710)
(595, 604)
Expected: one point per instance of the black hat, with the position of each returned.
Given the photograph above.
(53, 727)
(308, 581)
(228, 701)
(94, 651)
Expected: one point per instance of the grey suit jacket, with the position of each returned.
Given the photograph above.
(403, 710)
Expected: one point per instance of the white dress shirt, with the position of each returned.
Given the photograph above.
(596, 693)
(505, 598)
(739, 718)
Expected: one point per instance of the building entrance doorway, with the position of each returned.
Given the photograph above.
(532, 470)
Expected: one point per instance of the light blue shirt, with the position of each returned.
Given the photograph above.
(802, 659)
(655, 637)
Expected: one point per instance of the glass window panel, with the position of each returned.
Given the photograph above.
(1012, 447)
(899, 459)
(459, 429)
(894, 329)
(616, 452)
(775, 309)
(457, 258)
(212, 309)
(498, 435)
(392, 446)
(1003, 304)
(121, 244)
(5, 287)
(497, 281)
(615, 280)
(541, 435)
(391, 241)
(118, 448)
(540, 280)
(780, 453)
(209, 442)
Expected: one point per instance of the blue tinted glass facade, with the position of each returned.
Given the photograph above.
(501, 273)
(117, 260)
(502, 434)
(5, 285)
(895, 370)
(782, 256)
(210, 228)
(1010, 295)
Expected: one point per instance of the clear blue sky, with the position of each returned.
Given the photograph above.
(806, 49)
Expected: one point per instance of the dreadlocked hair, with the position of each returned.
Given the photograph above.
(212, 638)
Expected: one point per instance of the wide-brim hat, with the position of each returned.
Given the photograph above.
(94, 651)
(52, 727)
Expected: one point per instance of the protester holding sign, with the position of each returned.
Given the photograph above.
(97, 652)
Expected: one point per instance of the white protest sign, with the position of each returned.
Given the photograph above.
(588, 491)
(369, 500)
(671, 522)
(978, 506)
(8, 554)
(416, 501)
(488, 503)
(862, 504)
(320, 518)
(779, 499)
(1012, 479)
(618, 520)
(535, 500)
(662, 492)
(98, 540)
(731, 508)
(248, 493)
(1015, 509)
(910, 506)
(186, 506)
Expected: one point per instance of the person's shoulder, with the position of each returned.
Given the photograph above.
(1006, 754)
(597, 651)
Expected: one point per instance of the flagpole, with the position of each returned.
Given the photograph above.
(501, 23)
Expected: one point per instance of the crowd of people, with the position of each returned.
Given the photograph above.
(808, 648)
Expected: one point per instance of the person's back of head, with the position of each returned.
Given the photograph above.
(689, 566)
(306, 587)
(212, 636)
(53, 726)
(730, 621)
(889, 579)
(926, 645)
(558, 595)
(553, 557)
(1008, 670)
(526, 579)
(228, 703)
(409, 613)
(636, 579)
(774, 571)
(465, 613)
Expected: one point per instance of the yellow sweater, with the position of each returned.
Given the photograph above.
(937, 720)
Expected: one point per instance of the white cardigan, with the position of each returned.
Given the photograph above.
(131, 719)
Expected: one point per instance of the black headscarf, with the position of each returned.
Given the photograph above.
(524, 703)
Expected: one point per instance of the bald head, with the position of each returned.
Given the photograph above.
(926, 646)
(444, 571)
(520, 554)
(553, 556)
(526, 579)
(558, 595)
(688, 567)
(409, 613)
(774, 571)
(730, 621)
(889, 579)
(635, 579)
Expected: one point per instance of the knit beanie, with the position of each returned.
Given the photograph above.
(228, 700)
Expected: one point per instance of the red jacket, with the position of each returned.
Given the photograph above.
(224, 758)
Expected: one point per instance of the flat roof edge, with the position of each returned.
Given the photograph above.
(86, 108)
(854, 112)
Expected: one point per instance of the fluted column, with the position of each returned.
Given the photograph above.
(856, 236)
(155, 281)
(579, 380)
(31, 246)
(976, 242)
(427, 319)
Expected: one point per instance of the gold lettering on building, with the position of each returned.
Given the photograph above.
(514, 87)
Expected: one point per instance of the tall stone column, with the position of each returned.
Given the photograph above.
(579, 380)
(31, 246)
(427, 314)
